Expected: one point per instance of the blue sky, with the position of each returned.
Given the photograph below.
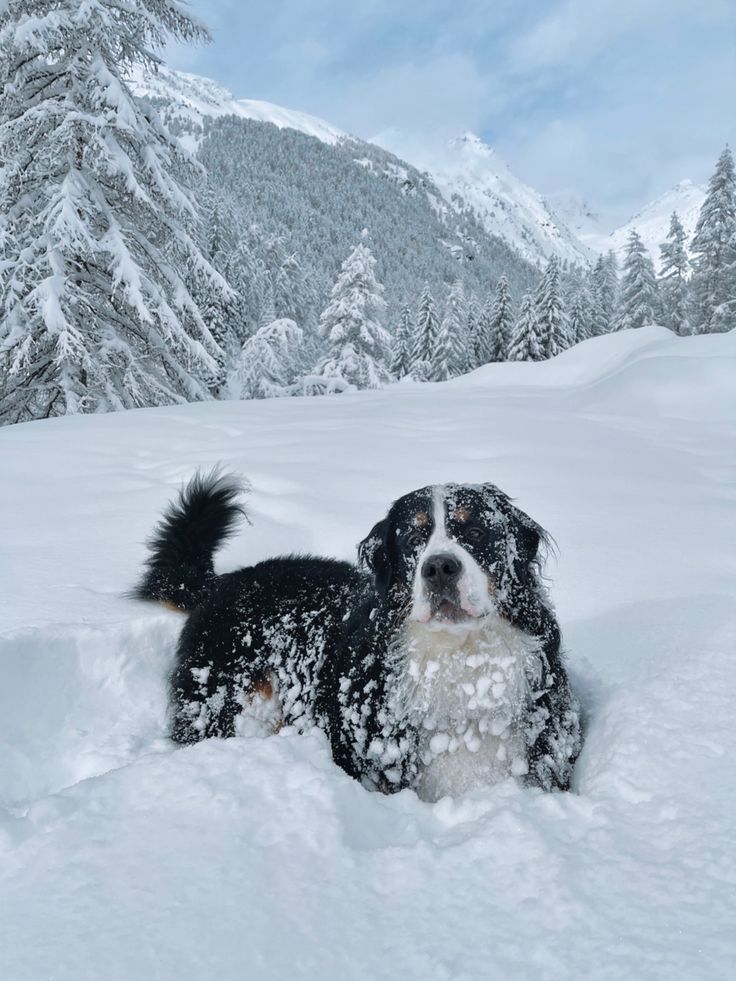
(616, 100)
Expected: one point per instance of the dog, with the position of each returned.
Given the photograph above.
(434, 663)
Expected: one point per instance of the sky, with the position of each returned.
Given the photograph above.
(611, 100)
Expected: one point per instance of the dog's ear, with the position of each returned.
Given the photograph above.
(524, 535)
(373, 557)
(527, 535)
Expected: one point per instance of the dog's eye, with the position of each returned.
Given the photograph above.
(414, 538)
(475, 534)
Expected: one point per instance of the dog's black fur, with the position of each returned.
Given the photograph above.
(323, 635)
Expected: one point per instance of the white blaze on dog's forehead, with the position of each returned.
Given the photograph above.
(472, 584)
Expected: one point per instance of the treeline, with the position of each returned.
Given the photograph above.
(435, 340)
(132, 274)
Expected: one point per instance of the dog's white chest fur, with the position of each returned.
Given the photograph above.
(465, 688)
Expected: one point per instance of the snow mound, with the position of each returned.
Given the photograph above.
(124, 858)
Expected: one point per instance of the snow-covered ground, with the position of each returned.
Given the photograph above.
(122, 858)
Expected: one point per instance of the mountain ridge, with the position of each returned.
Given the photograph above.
(470, 175)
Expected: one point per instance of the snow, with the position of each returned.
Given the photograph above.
(467, 172)
(256, 857)
(193, 98)
(465, 168)
(653, 222)
(468, 168)
(576, 212)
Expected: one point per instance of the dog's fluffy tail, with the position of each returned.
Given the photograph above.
(180, 571)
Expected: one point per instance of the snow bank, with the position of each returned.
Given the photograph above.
(122, 858)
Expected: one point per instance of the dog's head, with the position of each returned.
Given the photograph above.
(451, 554)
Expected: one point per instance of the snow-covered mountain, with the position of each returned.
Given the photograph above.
(577, 214)
(291, 185)
(468, 173)
(192, 98)
(471, 173)
(653, 222)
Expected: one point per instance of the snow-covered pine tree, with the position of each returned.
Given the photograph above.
(95, 201)
(611, 286)
(270, 362)
(293, 295)
(268, 302)
(217, 239)
(581, 313)
(674, 289)
(714, 252)
(450, 354)
(500, 328)
(358, 347)
(638, 300)
(552, 318)
(480, 339)
(472, 334)
(599, 322)
(526, 339)
(401, 345)
(425, 336)
(604, 293)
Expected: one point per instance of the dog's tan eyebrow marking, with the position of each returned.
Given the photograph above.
(462, 515)
(421, 519)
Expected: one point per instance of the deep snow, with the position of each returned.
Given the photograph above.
(256, 858)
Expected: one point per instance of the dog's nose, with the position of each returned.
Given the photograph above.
(441, 570)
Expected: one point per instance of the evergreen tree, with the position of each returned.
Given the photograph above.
(552, 318)
(450, 354)
(270, 361)
(401, 346)
(96, 217)
(581, 312)
(604, 294)
(526, 337)
(425, 337)
(481, 340)
(358, 346)
(268, 302)
(639, 300)
(611, 286)
(500, 328)
(673, 279)
(472, 334)
(714, 252)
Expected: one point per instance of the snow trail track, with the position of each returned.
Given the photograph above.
(123, 858)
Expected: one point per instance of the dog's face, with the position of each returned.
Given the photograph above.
(451, 554)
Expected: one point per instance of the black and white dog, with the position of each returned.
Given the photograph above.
(434, 664)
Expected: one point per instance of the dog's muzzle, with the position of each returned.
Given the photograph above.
(440, 575)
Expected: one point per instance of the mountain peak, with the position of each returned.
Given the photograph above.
(467, 172)
(653, 221)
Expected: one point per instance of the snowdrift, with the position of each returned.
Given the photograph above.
(122, 858)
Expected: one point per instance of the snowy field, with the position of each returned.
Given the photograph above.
(121, 858)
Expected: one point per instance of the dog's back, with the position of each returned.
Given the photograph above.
(261, 628)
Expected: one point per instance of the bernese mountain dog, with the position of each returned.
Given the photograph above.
(434, 663)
